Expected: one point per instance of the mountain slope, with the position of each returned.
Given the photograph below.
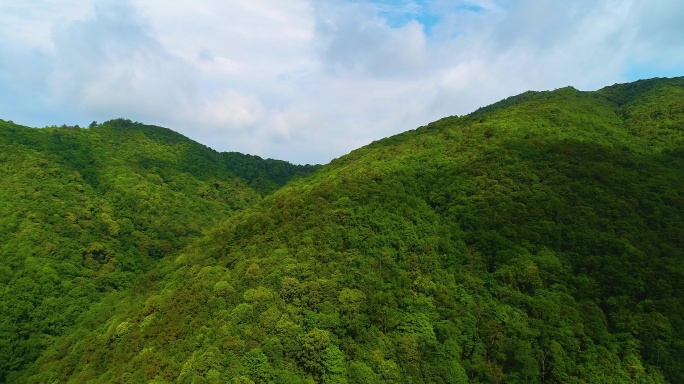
(536, 240)
(85, 212)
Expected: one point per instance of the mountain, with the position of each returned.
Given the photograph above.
(85, 212)
(539, 239)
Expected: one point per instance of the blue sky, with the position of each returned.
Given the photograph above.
(308, 81)
(398, 13)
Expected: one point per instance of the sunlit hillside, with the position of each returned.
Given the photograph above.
(539, 239)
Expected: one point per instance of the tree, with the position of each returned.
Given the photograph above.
(314, 345)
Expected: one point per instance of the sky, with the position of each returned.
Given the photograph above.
(310, 80)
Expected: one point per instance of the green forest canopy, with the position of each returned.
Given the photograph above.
(85, 212)
(538, 239)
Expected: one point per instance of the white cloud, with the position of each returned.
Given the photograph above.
(29, 23)
(353, 39)
(307, 80)
(111, 63)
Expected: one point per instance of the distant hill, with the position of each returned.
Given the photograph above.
(539, 239)
(85, 212)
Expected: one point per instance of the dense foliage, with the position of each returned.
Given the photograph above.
(84, 212)
(539, 239)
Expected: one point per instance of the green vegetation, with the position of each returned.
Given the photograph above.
(86, 212)
(539, 239)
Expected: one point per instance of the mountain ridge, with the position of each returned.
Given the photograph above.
(539, 240)
(87, 212)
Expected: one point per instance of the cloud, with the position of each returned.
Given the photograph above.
(353, 38)
(307, 80)
(112, 64)
(657, 33)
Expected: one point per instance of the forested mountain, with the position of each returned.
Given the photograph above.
(84, 212)
(539, 239)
